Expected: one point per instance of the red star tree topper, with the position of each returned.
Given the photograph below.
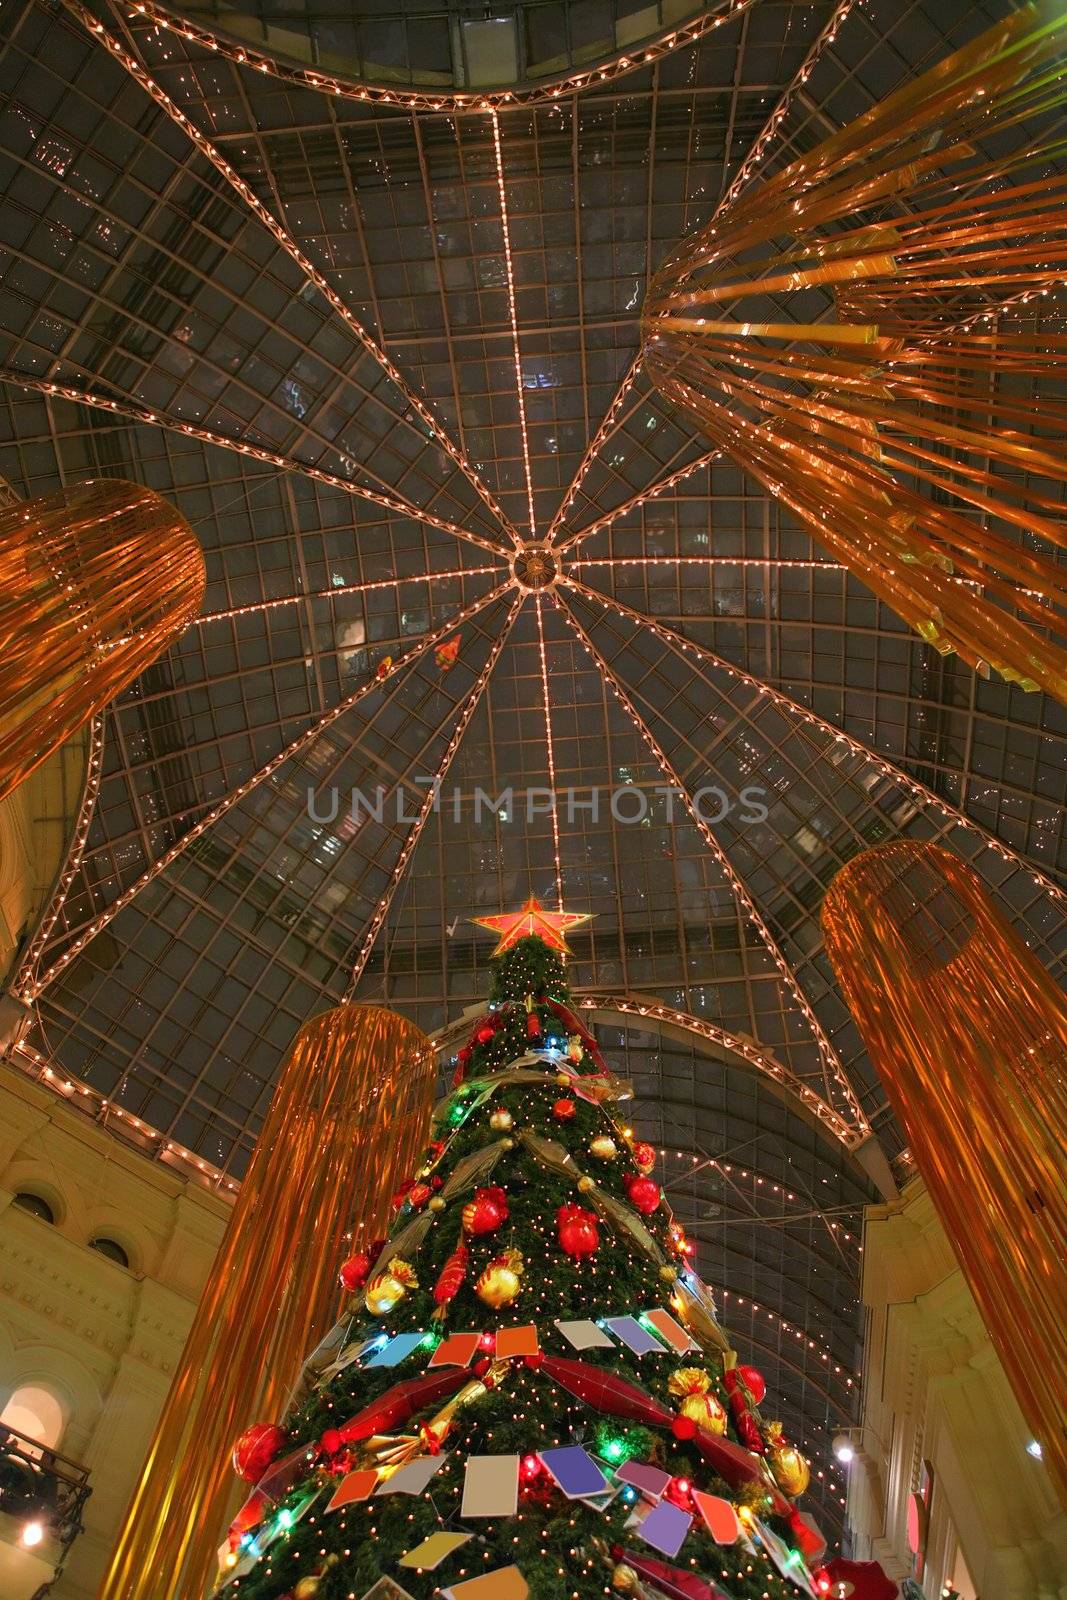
(511, 926)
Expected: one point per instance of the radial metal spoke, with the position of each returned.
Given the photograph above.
(343, 589)
(683, 646)
(31, 990)
(832, 1066)
(516, 353)
(654, 489)
(381, 911)
(139, 72)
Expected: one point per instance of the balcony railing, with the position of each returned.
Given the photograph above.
(42, 1497)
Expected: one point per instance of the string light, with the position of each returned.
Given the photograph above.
(340, 589)
(513, 314)
(549, 747)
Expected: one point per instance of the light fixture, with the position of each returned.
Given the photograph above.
(843, 1448)
(1034, 1449)
(32, 1534)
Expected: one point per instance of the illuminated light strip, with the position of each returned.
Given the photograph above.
(516, 355)
(710, 560)
(919, 790)
(342, 588)
(284, 239)
(32, 990)
(826, 1051)
(639, 499)
(93, 773)
(794, 1333)
(444, 100)
(766, 1064)
(594, 445)
(785, 101)
(381, 911)
(550, 748)
(84, 397)
(133, 1130)
(748, 167)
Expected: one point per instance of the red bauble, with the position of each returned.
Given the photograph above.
(486, 1212)
(643, 1194)
(644, 1155)
(485, 1034)
(533, 1025)
(418, 1195)
(578, 1232)
(564, 1110)
(256, 1449)
(354, 1272)
(752, 1379)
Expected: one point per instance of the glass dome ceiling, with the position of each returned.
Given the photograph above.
(382, 357)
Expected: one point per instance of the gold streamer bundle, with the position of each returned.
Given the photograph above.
(969, 1037)
(897, 412)
(348, 1120)
(95, 583)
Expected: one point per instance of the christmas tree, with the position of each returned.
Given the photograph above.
(528, 1391)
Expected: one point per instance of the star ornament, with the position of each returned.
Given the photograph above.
(551, 926)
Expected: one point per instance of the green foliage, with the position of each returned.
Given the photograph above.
(529, 967)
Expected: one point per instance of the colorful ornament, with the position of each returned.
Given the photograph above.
(418, 1195)
(382, 669)
(691, 1386)
(752, 1379)
(791, 1471)
(575, 1048)
(451, 1277)
(668, 1272)
(387, 1288)
(501, 1120)
(436, 1203)
(307, 1588)
(353, 1273)
(623, 1578)
(644, 1156)
(500, 1283)
(533, 919)
(485, 1034)
(748, 1430)
(533, 1025)
(643, 1194)
(564, 1110)
(579, 1235)
(257, 1447)
(486, 1212)
(603, 1147)
(447, 654)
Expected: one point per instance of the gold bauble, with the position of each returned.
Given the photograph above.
(668, 1273)
(623, 1578)
(564, 1079)
(500, 1283)
(706, 1412)
(305, 1588)
(436, 1203)
(501, 1120)
(603, 1147)
(584, 1185)
(388, 1287)
(507, 1144)
(791, 1471)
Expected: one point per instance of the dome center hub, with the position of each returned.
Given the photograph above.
(535, 566)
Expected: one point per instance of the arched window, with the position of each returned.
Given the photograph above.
(35, 1411)
(110, 1248)
(34, 1205)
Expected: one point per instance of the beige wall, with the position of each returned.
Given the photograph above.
(935, 1393)
(105, 1340)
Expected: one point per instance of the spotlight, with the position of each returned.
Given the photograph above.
(31, 1535)
(843, 1448)
(1034, 1449)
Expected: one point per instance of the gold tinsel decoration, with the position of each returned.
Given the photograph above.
(917, 429)
(791, 1471)
(691, 1387)
(968, 1034)
(96, 582)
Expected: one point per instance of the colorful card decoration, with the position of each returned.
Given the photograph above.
(644, 1476)
(790, 1563)
(585, 1336)
(412, 1478)
(665, 1527)
(575, 1471)
(399, 1347)
(491, 1486)
(387, 1589)
(455, 1351)
(506, 1583)
(633, 1336)
(517, 1341)
(720, 1518)
(432, 1551)
(352, 1489)
(670, 1330)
